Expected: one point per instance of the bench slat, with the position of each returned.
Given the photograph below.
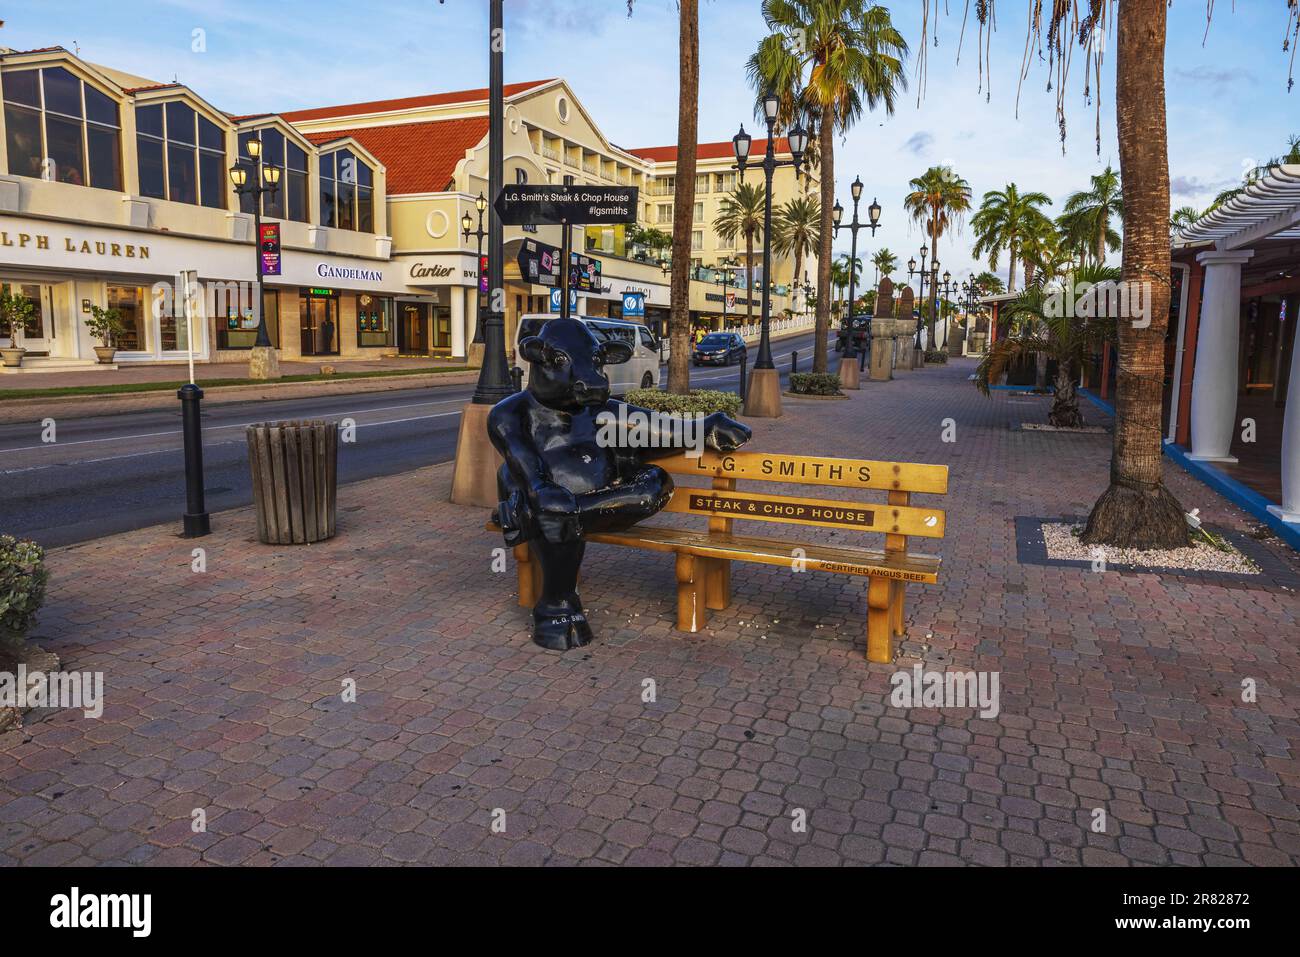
(812, 470)
(775, 551)
(856, 516)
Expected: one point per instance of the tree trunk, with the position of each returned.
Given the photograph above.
(1065, 404)
(1013, 250)
(688, 99)
(1040, 371)
(1137, 510)
(821, 322)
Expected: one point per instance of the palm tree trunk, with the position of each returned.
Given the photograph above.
(1013, 250)
(1065, 403)
(934, 278)
(688, 100)
(1137, 510)
(821, 323)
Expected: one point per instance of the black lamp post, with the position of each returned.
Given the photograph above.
(726, 277)
(921, 274)
(480, 204)
(873, 215)
(266, 179)
(741, 142)
(494, 380)
(807, 293)
(947, 291)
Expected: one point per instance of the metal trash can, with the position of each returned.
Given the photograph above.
(295, 480)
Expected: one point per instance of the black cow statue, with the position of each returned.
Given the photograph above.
(559, 482)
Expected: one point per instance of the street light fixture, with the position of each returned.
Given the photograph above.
(848, 348)
(921, 274)
(768, 399)
(266, 180)
(480, 233)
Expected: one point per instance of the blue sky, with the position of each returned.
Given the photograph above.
(1228, 103)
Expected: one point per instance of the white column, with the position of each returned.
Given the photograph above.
(457, 296)
(1214, 382)
(1290, 508)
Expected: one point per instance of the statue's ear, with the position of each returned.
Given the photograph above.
(533, 349)
(612, 352)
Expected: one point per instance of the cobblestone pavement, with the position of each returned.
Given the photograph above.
(1119, 692)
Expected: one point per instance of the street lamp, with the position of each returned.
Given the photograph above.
(266, 179)
(725, 277)
(849, 350)
(948, 287)
(921, 274)
(480, 204)
(768, 398)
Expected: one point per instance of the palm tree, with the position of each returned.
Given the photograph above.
(1004, 219)
(1041, 326)
(1087, 217)
(885, 262)
(1041, 251)
(1181, 218)
(741, 215)
(989, 284)
(796, 230)
(688, 109)
(828, 59)
(939, 198)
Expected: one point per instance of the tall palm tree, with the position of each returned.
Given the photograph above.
(938, 200)
(1004, 219)
(688, 110)
(1089, 216)
(1041, 252)
(796, 230)
(849, 274)
(741, 215)
(885, 262)
(828, 59)
(989, 284)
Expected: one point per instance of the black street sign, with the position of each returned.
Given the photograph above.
(539, 263)
(579, 205)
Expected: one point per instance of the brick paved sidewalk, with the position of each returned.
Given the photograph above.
(1119, 691)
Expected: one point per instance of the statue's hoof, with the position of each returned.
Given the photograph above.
(562, 630)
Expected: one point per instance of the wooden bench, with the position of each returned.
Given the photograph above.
(704, 555)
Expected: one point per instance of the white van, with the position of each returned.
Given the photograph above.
(639, 372)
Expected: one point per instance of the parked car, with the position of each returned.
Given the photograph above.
(640, 372)
(718, 349)
(858, 327)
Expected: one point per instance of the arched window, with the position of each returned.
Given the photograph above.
(58, 127)
(347, 192)
(182, 154)
(278, 150)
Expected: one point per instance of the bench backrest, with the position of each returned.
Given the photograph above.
(897, 518)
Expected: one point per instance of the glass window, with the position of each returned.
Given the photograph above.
(212, 179)
(347, 195)
(295, 195)
(180, 123)
(59, 128)
(23, 86)
(211, 136)
(327, 202)
(153, 178)
(182, 185)
(181, 155)
(365, 209)
(23, 139)
(149, 120)
(129, 302)
(374, 320)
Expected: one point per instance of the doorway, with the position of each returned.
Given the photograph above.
(38, 338)
(319, 323)
(413, 328)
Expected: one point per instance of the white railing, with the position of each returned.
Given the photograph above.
(752, 332)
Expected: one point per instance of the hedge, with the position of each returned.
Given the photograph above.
(815, 383)
(697, 402)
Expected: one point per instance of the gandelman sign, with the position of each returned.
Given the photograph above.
(326, 271)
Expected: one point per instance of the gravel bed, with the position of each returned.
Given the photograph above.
(1063, 543)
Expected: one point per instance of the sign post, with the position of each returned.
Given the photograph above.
(190, 280)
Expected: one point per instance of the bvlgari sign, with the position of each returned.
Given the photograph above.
(85, 247)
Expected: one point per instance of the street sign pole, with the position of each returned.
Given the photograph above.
(566, 268)
(191, 277)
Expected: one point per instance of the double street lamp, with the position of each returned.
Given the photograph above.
(741, 142)
(726, 278)
(922, 274)
(873, 215)
(948, 287)
(266, 179)
(480, 233)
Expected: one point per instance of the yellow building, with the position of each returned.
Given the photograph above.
(110, 185)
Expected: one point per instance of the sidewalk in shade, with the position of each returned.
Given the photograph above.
(1119, 691)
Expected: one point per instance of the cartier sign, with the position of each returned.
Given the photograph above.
(421, 271)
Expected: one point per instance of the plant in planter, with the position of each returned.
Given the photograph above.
(105, 325)
(22, 589)
(936, 355)
(815, 383)
(17, 314)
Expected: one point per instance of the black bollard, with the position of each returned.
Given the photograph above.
(744, 383)
(794, 361)
(517, 376)
(196, 521)
(862, 355)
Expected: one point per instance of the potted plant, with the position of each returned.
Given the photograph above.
(16, 314)
(105, 325)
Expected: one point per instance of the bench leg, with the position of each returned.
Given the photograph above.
(691, 575)
(526, 575)
(896, 607)
(717, 583)
(879, 621)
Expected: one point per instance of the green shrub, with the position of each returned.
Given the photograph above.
(22, 586)
(936, 355)
(815, 383)
(697, 402)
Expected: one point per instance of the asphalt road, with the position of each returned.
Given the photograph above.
(111, 474)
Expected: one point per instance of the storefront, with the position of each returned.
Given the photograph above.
(440, 321)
